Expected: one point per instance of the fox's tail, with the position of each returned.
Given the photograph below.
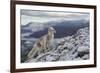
(32, 53)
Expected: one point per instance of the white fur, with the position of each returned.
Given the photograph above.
(43, 43)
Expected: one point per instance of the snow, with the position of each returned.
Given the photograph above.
(75, 47)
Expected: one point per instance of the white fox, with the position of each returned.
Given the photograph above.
(43, 43)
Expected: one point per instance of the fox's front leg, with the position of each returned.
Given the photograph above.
(48, 47)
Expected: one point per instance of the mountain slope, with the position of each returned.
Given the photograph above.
(74, 47)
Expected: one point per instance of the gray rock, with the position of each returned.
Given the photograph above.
(83, 49)
(85, 57)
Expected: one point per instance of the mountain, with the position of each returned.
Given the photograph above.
(74, 47)
(62, 27)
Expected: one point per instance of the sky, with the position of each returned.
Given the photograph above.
(47, 16)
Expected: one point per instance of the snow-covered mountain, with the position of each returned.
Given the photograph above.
(36, 30)
(75, 47)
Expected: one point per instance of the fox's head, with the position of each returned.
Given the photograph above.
(51, 29)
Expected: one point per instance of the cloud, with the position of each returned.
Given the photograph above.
(52, 13)
(46, 16)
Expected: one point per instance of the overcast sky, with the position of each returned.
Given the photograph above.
(46, 16)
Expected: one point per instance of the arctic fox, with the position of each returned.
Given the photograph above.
(43, 43)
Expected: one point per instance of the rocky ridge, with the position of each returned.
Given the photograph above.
(75, 47)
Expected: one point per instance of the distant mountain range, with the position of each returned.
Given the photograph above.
(62, 27)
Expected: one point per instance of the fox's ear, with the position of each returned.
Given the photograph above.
(50, 28)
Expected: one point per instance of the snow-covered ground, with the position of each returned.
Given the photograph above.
(75, 47)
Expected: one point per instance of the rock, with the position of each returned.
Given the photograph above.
(75, 55)
(83, 49)
(69, 45)
(78, 58)
(51, 58)
(85, 57)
